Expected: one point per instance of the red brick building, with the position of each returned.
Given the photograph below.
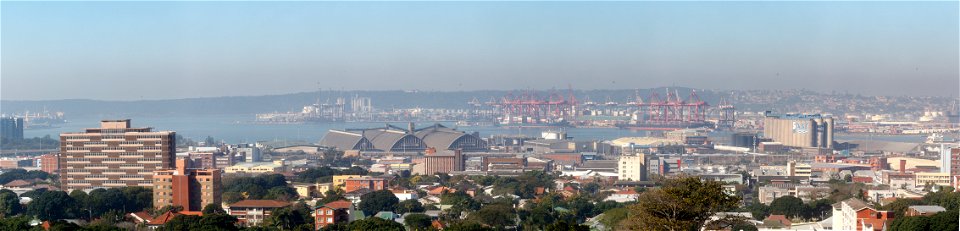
(49, 163)
(191, 189)
(332, 213)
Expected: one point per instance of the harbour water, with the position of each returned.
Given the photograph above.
(239, 128)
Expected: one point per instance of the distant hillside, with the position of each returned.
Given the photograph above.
(294, 102)
(744, 100)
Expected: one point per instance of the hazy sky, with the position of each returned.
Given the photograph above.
(160, 50)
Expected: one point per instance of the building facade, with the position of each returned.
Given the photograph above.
(332, 213)
(49, 163)
(114, 155)
(191, 189)
(632, 168)
(366, 182)
(445, 161)
(932, 178)
(11, 128)
(254, 212)
(799, 131)
(855, 214)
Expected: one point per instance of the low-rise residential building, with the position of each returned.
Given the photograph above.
(332, 213)
(366, 182)
(767, 194)
(855, 214)
(341, 180)
(306, 190)
(879, 196)
(256, 167)
(623, 196)
(933, 178)
(254, 212)
(924, 210)
(403, 194)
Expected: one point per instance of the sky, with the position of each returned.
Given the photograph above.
(167, 50)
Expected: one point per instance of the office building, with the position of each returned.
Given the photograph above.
(11, 128)
(248, 152)
(743, 140)
(799, 169)
(932, 178)
(950, 160)
(799, 131)
(189, 188)
(114, 155)
(632, 168)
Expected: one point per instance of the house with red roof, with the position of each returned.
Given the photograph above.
(332, 213)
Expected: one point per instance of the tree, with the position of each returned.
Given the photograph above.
(946, 220)
(612, 218)
(566, 226)
(15, 223)
(207, 222)
(682, 203)
(467, 226)
(743, 226)
(758, 210)
(408, 206)
(459, 202)
(495, 215)
(417, 221)
(331, 196)
(376, 201)
(286, 218)
(9, 203)
(789, 206)
(52, 205)
(375, 224)
(281, 193)
(167, 208)
(213, 208)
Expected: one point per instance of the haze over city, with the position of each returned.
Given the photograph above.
(59, 50)
(479, 116)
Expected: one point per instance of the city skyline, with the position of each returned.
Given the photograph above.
(211, 49)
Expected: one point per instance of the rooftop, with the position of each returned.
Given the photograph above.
(259, 204)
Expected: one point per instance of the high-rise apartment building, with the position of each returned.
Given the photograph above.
(191, 189)
(11, 128)
(114, 155)
(632, 168)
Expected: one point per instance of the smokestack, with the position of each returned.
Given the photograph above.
(903, 166)
(679, 162)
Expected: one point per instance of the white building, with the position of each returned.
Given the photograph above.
(855, 214)
(632, 168)
(623, 196)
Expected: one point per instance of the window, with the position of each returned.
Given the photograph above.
(329, 219)
(330, 212)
